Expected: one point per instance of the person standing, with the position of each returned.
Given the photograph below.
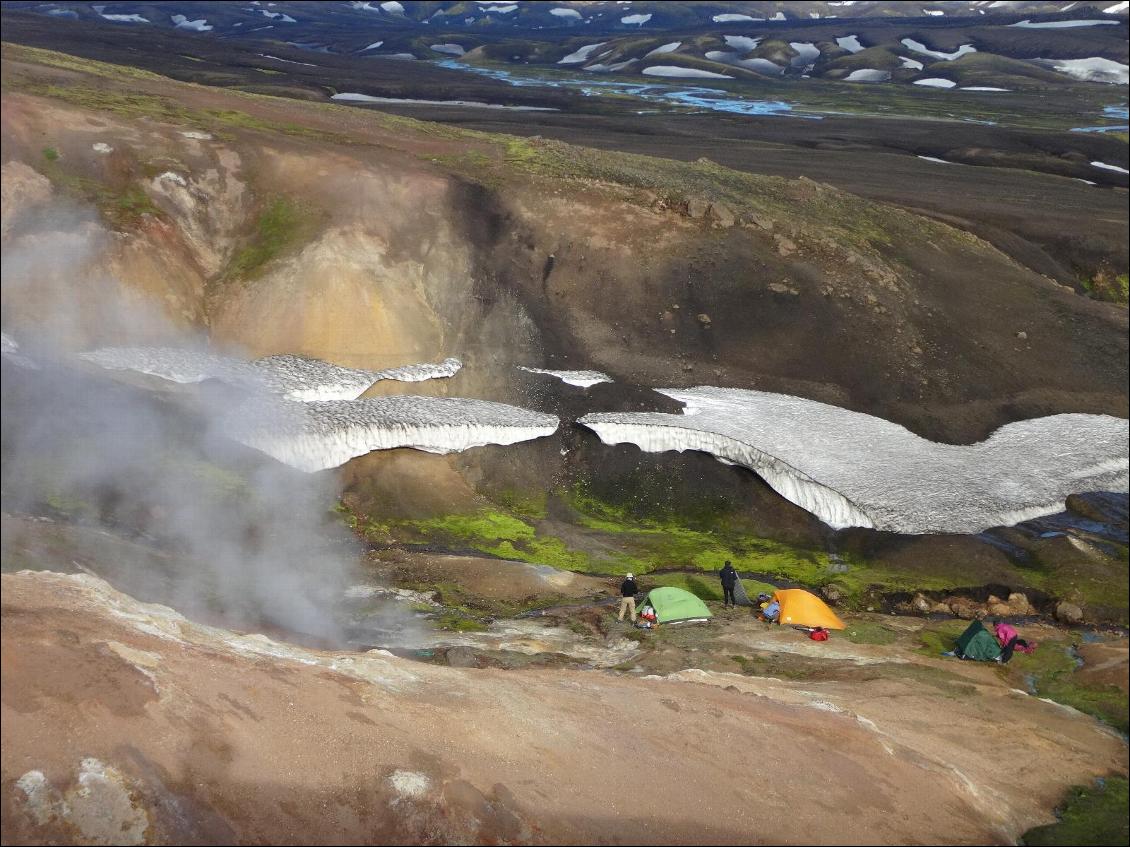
(729, 578)
(628, 591)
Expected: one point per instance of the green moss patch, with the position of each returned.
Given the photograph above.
(281, 225)
(1092, 815)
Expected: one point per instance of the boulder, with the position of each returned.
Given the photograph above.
(1019, 605)
(833, 593)
(462, 657)
(1068, 613)
(923, 604)
(966, 609)
(697, 207)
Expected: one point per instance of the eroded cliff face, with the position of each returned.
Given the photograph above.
(142, 210)
(181, 732)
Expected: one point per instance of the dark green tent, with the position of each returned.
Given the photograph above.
(977, 643)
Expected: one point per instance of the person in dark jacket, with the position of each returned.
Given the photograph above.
(729, 578)
(628, 591)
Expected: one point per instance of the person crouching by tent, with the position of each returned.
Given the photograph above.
(771, 610)
(1010, 640)
(729, 578)
(628, 591)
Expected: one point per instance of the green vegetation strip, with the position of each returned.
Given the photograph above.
(1094, 815)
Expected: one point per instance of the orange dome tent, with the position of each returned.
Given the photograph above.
(800, 608)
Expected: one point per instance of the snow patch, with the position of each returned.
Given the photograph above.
(732, 18)
(317, 436)
(287, 61)
(200, 25)
(393, 7)
(372, 46)
(850, 43)
(126, 19)
(175, 178)
(919, 47)
(1107, 167)
(982, 88)
(1094, 69)
(936, 160)
(671, 47)
(582, 379)
(565, 13)
(676, 71)
(852, 469)
(581, 55)
(101, 147)
(1117, 8)
(741, 42)
(911, 64)
(868, 75)
(639, 20)
(198, 136)
(449, 49)
(1063, 24)
(936, 82)
(292, 377)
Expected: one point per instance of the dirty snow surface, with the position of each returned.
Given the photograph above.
(582, 379)
(936, 82)
(852, 469)
(293, 377)
(1094, 69)
(316, 436)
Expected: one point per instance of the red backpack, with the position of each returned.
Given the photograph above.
(819, 634)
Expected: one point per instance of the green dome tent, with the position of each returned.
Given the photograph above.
(674, 605)
(977, 643)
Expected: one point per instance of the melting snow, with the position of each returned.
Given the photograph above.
(850, 43)
(868, 75)
(807, 52)
(101, 147)
(565, 13)
(1094, 69)
(936, 82)
(182, 22)
(1117, 7)
(169, 176)
(919, 47)
(852, 469)
(912, 64)
(322, 435)
(449, 49)
(635, 19)
(372, 46)
(1107, 167)
(937, 160)
(741, 42)
(293, 377)
(933, 12)
(501, 10)
(982, 88)
(279, 16)
(393, 7)
(582, 379)
(128, 19)
(288, 61)
(731, 18)
(581, 55)
(665, 48)
(674, 70)
(1062, 24)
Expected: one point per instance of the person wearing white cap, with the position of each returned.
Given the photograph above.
(628, 592)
